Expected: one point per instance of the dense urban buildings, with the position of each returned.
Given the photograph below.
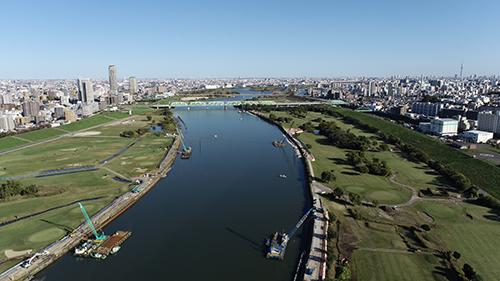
(444, 106)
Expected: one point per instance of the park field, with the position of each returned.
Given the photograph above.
(10, 142)
(65, 153)
(86, 123)
(41, 134)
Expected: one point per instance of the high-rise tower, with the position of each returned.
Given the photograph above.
(133, 84)
(113, 79)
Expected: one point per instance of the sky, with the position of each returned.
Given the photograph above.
(62, 39)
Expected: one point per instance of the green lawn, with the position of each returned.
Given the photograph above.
(473, 168)
(41, 134)
(86, 123)
(64, 153)
(141, 110)
(477, 240)
(119, 115)
(39, 231)
(10, 142)
(141, 158)
(115, 129)
(382, 266)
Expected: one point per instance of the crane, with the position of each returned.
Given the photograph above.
(299, 224)
(98, 237)
(182, 141)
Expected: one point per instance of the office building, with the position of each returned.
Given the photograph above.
(489, 122)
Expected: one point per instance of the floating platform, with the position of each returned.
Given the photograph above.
(100, 250)
(277, 246)
(279, 144)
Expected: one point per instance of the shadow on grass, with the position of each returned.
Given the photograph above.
(63, 227)
(444, 272)
(495, 215)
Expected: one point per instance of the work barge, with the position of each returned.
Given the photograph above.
(102, 249)
(277, 244)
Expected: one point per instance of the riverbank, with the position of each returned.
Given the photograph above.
(59, 248)
(315, 264)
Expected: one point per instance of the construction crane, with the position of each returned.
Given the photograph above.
(98, 237)
(299, 224)
(186, 153)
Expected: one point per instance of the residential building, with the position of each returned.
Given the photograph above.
(113, 78)
(132, 85)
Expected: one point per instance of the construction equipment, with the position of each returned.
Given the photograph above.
(277, 245)
(186, 153)
(98, 237)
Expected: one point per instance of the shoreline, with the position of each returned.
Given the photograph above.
(315, 262)
(59, 248)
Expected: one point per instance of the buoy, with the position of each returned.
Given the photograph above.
(215, 135)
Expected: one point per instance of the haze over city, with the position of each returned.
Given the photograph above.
(179, 39)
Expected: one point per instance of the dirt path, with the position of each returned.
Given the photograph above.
(393, 251)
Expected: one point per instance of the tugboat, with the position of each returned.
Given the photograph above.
(115, 249)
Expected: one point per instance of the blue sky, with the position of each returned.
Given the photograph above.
(273, 38)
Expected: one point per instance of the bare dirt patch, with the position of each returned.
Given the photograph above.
(62, 159)
(468, 217)
(89, 133)
(425, 216)
(139, 170)
(347, 242)
(74, 165)
(12, 254)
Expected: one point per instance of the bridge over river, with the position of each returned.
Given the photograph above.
(225, 104)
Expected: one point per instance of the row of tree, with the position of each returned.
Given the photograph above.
(14, 187)
(365, 165)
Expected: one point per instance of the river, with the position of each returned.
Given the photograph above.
(209, 217)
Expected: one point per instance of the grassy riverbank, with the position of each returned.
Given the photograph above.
(89, 147)
(393, 243)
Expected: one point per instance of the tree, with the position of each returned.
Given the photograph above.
(469, 271)
(456, 255)
(376, 203)
(383, 147)
(355, 198)
(327, 176)
(364, 169)
(426, 227)
(338, 192)
(149, 117)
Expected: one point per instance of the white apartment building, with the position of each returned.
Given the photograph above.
(477, 136)
(6, 123)
(426, 108)
(486, 121)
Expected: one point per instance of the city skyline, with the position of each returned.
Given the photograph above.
(200, 39)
